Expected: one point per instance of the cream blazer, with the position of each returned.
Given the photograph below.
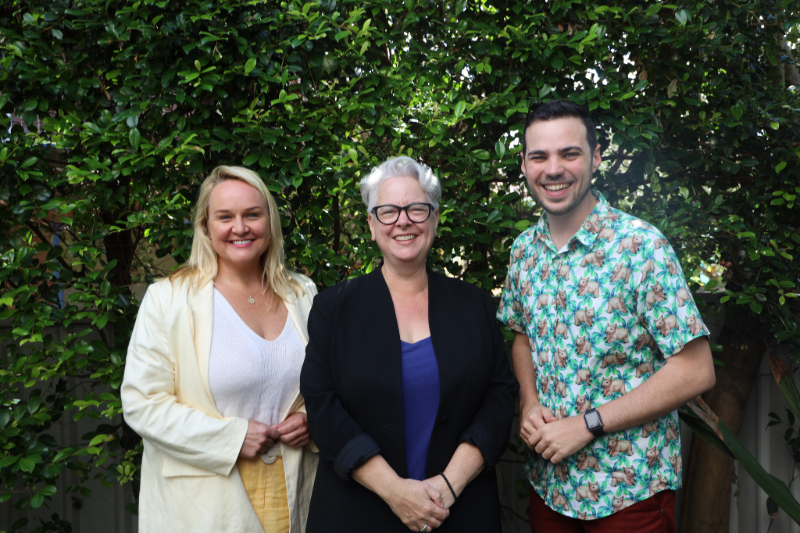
(189, 480)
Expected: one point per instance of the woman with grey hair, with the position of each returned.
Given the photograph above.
(408, 389)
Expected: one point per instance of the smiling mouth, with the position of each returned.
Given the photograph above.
(555, 187)
(405, 237)
(242, 242)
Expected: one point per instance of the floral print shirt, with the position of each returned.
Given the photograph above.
(601, 315)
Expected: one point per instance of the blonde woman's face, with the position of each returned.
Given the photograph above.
(238, 224)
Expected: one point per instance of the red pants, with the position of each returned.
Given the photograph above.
(653, 515)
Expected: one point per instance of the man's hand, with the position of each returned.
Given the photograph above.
(533, 417)
(557, 440)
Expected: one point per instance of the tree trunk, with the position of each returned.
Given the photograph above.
(709, 473)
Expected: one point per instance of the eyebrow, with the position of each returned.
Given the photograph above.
(228, 210)
(560, 150)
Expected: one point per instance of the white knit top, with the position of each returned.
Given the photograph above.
(250, 377)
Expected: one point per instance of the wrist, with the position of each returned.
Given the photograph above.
(593, 423)
(451, 489)
(527, 401)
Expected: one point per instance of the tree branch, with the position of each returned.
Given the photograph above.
(44, 239)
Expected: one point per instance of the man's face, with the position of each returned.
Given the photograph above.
(558, 164)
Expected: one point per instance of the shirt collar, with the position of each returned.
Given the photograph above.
(584, 236)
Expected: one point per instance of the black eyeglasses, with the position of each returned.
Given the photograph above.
(390, 214)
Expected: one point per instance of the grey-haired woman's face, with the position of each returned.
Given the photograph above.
(404, 241)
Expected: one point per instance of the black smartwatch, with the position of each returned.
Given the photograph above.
(593, 422)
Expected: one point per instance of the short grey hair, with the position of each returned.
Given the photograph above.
(401, 166)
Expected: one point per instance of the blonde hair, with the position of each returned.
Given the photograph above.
(202, 266)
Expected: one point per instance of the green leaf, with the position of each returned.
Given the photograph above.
(249, 66)
(500, 149)
(737, 111)
(33, 403)
(774, 487)
(135, 138)
(27, 464)
(682, 17)
(700, 428)
(37, 500)
(353, 155)
(780, 166)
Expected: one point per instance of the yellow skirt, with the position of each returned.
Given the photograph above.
(266, 486)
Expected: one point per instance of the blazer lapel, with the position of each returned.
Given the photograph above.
(201, 314)
(297, 316)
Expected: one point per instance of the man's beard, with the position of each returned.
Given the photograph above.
(560, 209)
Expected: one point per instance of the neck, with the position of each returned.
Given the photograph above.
(242, 277)
(564, 227)
(405, 281)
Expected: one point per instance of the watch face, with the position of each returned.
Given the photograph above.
(592, 419)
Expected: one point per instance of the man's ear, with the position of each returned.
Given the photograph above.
(597, 158)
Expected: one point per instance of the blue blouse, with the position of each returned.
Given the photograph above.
(420, 382)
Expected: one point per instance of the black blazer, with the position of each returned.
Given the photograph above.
(351, 382)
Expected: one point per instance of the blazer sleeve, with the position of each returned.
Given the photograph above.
(490, 429)
(338, 436)
(151, 408)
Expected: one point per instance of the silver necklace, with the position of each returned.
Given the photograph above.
(250, 299)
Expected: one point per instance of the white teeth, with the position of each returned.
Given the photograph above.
(405, 237)
(240, 242)
(558, 187)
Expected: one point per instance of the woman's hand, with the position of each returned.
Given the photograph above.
(416, 503)
(294, 430)
(438, 483)
(260, 437)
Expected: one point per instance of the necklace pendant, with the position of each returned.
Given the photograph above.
(251, 300)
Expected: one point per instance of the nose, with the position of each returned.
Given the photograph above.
(239, 225)
(554, 167)
(403, 219)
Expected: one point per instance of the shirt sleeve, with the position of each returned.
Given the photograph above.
(338, 436)
(664, 300)
(510, 310)
(151, 408)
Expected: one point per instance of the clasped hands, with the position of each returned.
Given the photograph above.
(550, 437)
(420, 503)
(260, 437)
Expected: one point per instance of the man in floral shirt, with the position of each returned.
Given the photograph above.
(609, 343)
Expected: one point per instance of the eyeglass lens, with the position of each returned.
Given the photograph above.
(388, 214)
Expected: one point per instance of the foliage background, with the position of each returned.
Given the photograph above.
(128, 105)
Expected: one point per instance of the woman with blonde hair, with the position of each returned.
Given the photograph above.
(212, 374)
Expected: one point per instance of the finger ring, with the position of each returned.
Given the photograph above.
(424, 528)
